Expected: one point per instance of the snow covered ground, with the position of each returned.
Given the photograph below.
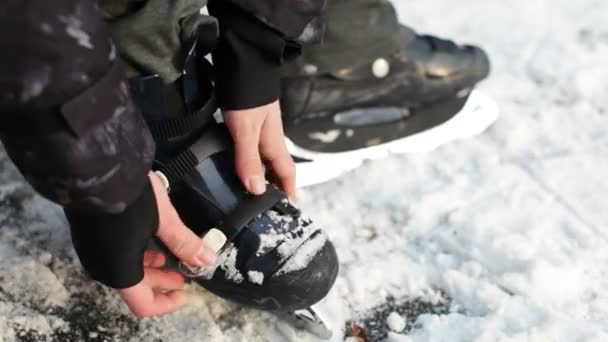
(510, 226)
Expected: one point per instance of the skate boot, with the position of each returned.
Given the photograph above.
(411, 101)
(273, 258)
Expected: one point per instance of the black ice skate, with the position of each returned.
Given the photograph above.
(412, 101)
(273, 258)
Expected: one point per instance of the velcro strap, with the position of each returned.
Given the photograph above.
(249, 209)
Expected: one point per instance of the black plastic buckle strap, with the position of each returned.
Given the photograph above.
(194, 84)
(178, 167)
(213, 141)
(163, 130)
(248, 210)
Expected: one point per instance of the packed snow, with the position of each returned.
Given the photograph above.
(256, 277)
(510, 226)
(396, 322)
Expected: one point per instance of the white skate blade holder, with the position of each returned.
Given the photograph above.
(311, 320)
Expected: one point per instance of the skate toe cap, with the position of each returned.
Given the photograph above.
(480, 65)
(304, 287)
(303, 279)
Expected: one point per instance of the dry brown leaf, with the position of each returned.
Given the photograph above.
(358, 332)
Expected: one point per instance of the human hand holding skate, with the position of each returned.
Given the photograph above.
(258, 136)
(160, 292)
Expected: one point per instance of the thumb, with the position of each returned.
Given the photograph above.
(180, 240)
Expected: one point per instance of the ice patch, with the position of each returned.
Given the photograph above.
(256, 277)
(326, 137)
(228, 264)
(277, 218)
(74, 29)
(47, 290)
(304, 254)
(271, 239)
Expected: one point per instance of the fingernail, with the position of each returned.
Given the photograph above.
(257, 185)
(206, 256)
(215, 240)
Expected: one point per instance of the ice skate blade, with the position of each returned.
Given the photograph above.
(310, 320)
(479, 113)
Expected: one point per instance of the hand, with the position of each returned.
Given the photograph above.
(258, 135)
(160, 292)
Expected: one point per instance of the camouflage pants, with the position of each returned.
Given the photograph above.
(149, 35)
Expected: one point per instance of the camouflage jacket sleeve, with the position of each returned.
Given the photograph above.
(295, 19)
(68, 123)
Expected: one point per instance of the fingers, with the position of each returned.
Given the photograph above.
(186, 246)
(147, 303)
(180, 240)
(163, 279)
(274, 151)
(258, 134)
(144, 300)
(168, 302)
(155, 259)
(245, 127)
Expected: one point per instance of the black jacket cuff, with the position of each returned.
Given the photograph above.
(111, 246)
(248, 58)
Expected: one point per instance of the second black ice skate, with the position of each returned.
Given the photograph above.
(412, 101)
